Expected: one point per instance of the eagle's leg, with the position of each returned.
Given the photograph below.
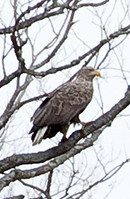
(64, 132)
(64, 138)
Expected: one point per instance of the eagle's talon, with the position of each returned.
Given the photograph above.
(84, 124)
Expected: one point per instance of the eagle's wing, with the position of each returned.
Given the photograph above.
(66, 103)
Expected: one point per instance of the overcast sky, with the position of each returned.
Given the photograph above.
(113, 146)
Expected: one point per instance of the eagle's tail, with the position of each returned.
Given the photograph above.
(37, 134)
(42, 133)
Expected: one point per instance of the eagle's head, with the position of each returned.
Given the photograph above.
(88, 73)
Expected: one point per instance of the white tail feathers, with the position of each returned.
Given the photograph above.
(39, 136)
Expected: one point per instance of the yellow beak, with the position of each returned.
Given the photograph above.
(97, 73)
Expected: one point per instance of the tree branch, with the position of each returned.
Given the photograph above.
(40, 157)
(16, 197)
(108, 175)
(48, 12)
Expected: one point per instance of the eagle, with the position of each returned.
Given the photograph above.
(63, 106)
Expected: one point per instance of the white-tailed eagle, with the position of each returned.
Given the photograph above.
(63, 106)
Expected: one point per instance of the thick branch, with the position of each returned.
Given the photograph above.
(16, 160)
(60, 153)
(18, 174)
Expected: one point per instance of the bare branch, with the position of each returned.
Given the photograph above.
(47, 13)
(35, 188)
(16, 197)
(92, 4)
(43, 38)
(40, 157)
(108, 175)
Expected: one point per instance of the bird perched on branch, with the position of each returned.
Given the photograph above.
(63, 106)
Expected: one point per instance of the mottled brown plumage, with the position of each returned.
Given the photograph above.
(63, 106)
